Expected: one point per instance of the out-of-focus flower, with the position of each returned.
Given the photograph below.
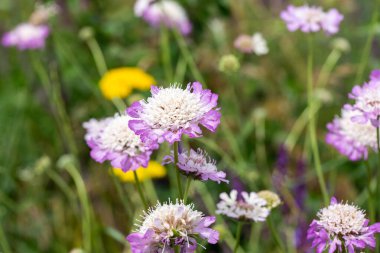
(350, 138)
(170, 225)
(111, 139)
(311, 19)
(367, 101)
(43, 12)
(26, 36)
(171, 112)
(251, 44)
(281, 170)
(165, 12)
(153, 170)
(341, 226)
(229, 63)
(250, 207)
(272, 199)
(86, 33)
(119, 82)
(198, 165)
(341, 44)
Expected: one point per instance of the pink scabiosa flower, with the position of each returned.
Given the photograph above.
(171, 112)
(111, 139)
(26, 36)
(350, 138)
(341, 226)
(165, 12)
(251, 44)
(311, 19)
(198, 165)
(170, 225)
(250, 207)
(367, 101)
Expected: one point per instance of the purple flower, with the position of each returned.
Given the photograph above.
(165, 12)
(171, 112)
(342, 226)
(311, 19)
(26, 36)
(350, 138)
(197, 164)
(169, 225)
(111, 139)
(367, 101)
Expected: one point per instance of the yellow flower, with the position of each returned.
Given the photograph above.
(154, 170)
(119, 82)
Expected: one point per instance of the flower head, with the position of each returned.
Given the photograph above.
(367, 101)
(250, 208)
(26, 36)
(272, 199)
(251, 44)
(165, 12)
(43, 12)
(111, 139)
(350, 138)
(168, 225)
(119, 82)
(311, 19)
(153, 170)
(229, 63)
(199, 165)
(342, 225)
(171, 112)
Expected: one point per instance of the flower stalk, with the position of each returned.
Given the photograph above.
(139, 189)
(238, 235)
(179, 184)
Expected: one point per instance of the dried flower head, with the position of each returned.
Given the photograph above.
(341, 225)
(250, 208)
(170, 225)
(171, 112)
(272, 199)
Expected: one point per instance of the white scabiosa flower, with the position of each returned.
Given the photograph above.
(249, 208)
(170, 225)
(259, 44)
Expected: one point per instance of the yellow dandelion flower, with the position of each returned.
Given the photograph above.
(119, 82)
(154, 170)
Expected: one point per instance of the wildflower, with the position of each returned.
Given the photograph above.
(341, 226)
(311, 19)
(165, 12)
(119, 82)
(199, 165)
(251, 44)
(229, 63)
(171, 112)
(170, 225)
(367, 101)
(153, 170)
(26, 36)
(350, 138)
(250, 208)
(272, 199)
(111, 139)
(43, 12)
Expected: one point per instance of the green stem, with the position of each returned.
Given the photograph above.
(139, 189)
(97, 54)
(275, 234)
(370, 195)
(312, 124)
(165, 54)
(177, 249)
(179, 184)
(3, 241)
(238, 235)
(188, 183)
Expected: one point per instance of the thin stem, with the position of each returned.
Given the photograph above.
(98, 55)
(179, 184)
(275, 234)
(3, 241)
(312, 123)
(238, 235)
(165, 54)
(188, 183)
(370, 194)
(139, 189)
(177, 249)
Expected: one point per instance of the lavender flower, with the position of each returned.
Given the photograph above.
(171, 112)
(26, 36)
(169, 225)
(199, 165)
(166, 12)
(250, 208)
(367, 101)
(350, 138)
(311, 19)
(111, 139)
(342, 226)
